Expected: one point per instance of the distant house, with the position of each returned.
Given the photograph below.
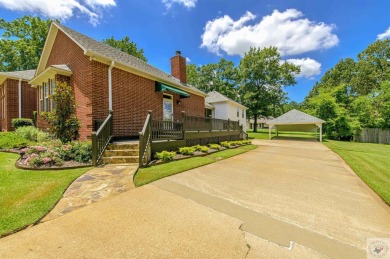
(106, 79)
(17, 98)
(261, 122)
(219, 106)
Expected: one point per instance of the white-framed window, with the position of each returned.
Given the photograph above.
(40, 90)
(46, 95)
(238, 113)
(52, 91)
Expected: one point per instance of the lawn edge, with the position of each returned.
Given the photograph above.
(244, 151)
(373, 192)
(39, 220)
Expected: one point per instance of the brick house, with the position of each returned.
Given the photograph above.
(17, 97)
(104, 79)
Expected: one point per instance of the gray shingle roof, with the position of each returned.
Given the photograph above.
(25, 74)
(214, 97)
(62, 66)
(115, 54)
(295, 117)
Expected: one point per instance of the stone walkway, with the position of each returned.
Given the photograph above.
(93, 186)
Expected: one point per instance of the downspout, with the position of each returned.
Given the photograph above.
(20, 97)
(110, 85)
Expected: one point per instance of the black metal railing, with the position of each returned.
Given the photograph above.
(145, 138)
(101, 138)
(167, 130)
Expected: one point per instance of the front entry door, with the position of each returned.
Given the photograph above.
(168, 107)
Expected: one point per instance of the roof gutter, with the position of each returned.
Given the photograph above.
(20, 97)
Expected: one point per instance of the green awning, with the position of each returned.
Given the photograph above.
(160, 87)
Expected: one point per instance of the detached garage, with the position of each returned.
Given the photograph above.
(295, 120)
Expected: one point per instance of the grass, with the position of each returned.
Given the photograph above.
(369, 161)
(153, 173)
(10, 140)
(26, 196)
(263, 134)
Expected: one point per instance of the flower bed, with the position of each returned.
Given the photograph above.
(54, 154)
(198, 150)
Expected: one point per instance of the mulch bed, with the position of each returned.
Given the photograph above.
(66, 165)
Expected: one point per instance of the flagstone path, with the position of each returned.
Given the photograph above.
(93, 186)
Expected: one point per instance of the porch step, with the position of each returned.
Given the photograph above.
(120, 159)
(121, 153)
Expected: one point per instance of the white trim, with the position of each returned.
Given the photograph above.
(294, 123)
(110, 85)
(20, 97)
(171, 100)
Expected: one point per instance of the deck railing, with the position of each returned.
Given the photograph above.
(193, 123)
(145, 138)
(101, 138)
(167, 130)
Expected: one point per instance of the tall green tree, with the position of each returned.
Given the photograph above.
(126, 45)
(221, 77)
(22, 42)
(262, 77)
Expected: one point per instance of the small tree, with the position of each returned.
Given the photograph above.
(63, 121)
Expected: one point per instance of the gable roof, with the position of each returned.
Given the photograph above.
(216, 97)
(295, 117)
(106, 54)
(25, 75)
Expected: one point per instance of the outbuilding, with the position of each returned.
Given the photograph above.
(295, 120)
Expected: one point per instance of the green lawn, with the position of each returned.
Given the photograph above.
(153, 173)
(263, 134)
(370, 161)
(26, 196)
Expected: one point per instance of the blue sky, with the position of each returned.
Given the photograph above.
(315, 34)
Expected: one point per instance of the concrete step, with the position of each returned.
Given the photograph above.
(120, 159)
(126, 146)
(121, 152)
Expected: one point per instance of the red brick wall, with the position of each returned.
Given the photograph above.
(29, 103)
(178, 68)
(65, 51)
(100, 91)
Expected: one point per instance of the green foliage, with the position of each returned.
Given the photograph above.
(354, 94)
(203, 149)
(21, 122)
(187, 151)
(225, 144)
(35, 117)
(32, 134)
(262, 77)
(165, 156)
(10, 140)
(63, 121)
(221, 77)
(247, 142)
(127, 46)
(214, 146)
(21, 43)
(82, 151)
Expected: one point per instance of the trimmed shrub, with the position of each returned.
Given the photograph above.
(82, 151)
(11, 140)
(226, 144)
(214, 146)
(21, 122)
(187, 151)
(33, 134)
(165, 156)
(203, 149)
(247, 142)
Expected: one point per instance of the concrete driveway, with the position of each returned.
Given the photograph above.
(284, 199)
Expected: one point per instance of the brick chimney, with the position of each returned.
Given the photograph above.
(178, 67)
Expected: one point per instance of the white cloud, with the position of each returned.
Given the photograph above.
(60, 9)
(384, 35)
(187, 3)
(309, 67)
(286, 30)
(188, 60)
